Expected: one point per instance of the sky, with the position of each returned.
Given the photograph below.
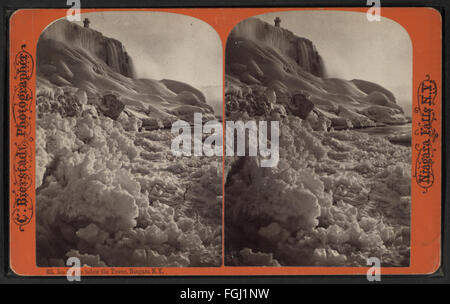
(165, 45)
(352, 47)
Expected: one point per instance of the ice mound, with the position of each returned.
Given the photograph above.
(370, 87)
(179, 87)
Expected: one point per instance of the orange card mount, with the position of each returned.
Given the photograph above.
(95, 182)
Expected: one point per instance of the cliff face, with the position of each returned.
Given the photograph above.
(262, 57)
(300, 50)
(109, 50)
(69, 55)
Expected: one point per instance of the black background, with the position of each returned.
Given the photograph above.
(171, 292)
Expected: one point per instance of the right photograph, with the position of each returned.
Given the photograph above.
(331, 95)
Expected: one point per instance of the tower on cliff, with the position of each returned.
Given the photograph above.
(86, 22)
(277, 21)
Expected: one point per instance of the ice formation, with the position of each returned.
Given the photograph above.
(108, 189)
(335, 199)
(262, 55)
(337, 196)
(73, 56)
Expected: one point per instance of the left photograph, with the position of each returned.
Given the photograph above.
(109, 188)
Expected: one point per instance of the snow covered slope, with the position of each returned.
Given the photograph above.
(259, 54)
(71, 55)
(110, 51)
